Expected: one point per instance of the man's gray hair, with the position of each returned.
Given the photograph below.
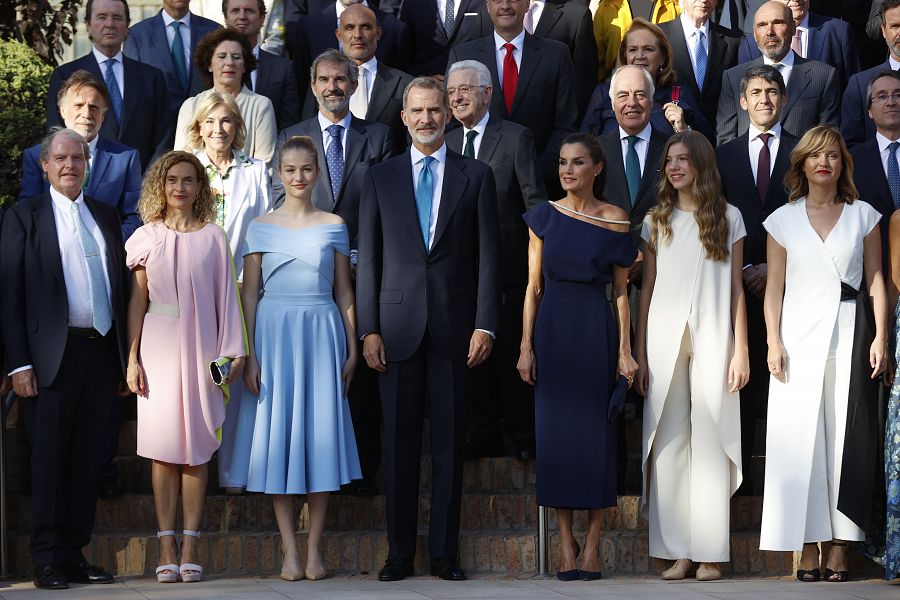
(427, 83)
(648, 80)
(335, 57)
(484, 75)
(69, 133)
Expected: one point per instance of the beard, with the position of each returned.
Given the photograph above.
(426, 139)
(334, 103)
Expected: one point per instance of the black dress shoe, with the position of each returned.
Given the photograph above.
(87, 573)
(363, 488)
(395, 569)
(49, 577)
(447, 568)
(476, 450)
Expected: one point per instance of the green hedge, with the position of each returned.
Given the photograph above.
(24, 79)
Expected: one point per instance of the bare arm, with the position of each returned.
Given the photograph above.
(533, 293)
(627, 365)
(640, 338)
(776, 261)
(137, 309)
(250, 300)
(875, 284)
(346, 301)
(893, 283)
(739, 369)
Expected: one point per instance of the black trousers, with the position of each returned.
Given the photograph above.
(66, 423)
(365, 410)
(407, 385)
(755, 395)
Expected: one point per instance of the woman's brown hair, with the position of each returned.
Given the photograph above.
(152, 206)
(666, 75)
(814, 141)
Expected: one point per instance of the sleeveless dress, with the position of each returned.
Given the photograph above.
(576, 345)
(301, 434)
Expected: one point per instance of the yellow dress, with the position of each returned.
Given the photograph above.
(612, 19)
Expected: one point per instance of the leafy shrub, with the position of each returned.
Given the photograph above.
(24, 79)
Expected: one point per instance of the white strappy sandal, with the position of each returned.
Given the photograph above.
(191, 573)
(172, 575)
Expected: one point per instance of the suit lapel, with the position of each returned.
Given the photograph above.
(531, 58)
(682, 57)
(782, 164)
(799, 80)
(615, 167)
(45, 223)
(489, 141)
(263, 73)
(110, 239)
(813, 52)
(487, 58)
(405, 197)
(165, 54)
(717, 49)
(549, 16)
(651, 172)
(132, 91)
(98, 169)
(382, 89)
(454, 187)
(357, 138)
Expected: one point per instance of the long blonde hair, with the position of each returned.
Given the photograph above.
(152, 206)
(816, 140)
(707, 191)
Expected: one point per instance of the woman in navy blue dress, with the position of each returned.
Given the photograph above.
(574, 345)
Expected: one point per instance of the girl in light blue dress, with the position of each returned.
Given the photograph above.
(299, 309)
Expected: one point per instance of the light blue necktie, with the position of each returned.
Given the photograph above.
(334, 156)
(99, 299)
(700, 60)
(424, 197)
(632, 168)
(893, 173)
(115, 96)
(178, 55)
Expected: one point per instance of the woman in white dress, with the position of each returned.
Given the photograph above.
(820, 246)
(691, 347)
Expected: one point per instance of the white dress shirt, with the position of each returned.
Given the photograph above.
(442, 12)
(895, 64)
(185, 31)
(883, 142)
(518, 42)
(787, 65)
(690, 36)
(755, 144)
(641, 146)
(803, 30)
(479, 127)
(118, 68)
(325, 123)
(369, 70)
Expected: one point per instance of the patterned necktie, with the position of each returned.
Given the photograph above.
(763, 167)
(700, 59)
(334, 156)
(510, 77)
(449, 16)
(469, 150)
(102, 313)
(632, 168)
(893, 173)
(178, 55)
(359, 101)
(115, 96)
(424, 197)
(797, 44)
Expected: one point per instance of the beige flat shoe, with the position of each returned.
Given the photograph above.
(709, 572)
(681, 569)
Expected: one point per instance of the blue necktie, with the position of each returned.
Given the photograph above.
(700, 60)
(178, 55)
(99, 299)
(424, 197)
(115, 97)
(632, 168)
(334, 156)
(893, 173)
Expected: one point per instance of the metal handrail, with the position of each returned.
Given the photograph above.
(543, 542)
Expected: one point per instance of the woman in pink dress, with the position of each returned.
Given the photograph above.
(184, 313)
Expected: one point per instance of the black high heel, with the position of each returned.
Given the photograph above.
(810, 575)
(571, 574)
(837, 576)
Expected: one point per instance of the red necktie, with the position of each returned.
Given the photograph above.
(510, 77)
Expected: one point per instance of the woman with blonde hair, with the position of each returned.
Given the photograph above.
(826, 346)
(184, 313)
(692, 288)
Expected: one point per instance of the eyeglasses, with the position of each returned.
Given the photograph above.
(464, 89)
(883, 98)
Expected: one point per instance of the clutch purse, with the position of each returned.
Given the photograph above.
(617, 400)
(219, 369)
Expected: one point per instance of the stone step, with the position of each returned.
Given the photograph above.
(497, 553)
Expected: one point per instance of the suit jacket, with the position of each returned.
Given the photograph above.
(871, 183)
(367, 144)
(35, 313)
(739, 188)
(829, 41)
(277, 81)
(615, 189)
(856, 125)
(115, 180)
(430, 43)
(146, 123)
(452, 289)
(572, 25)
(812, 99)
(147, 43)
(723, 54)
(508, 149)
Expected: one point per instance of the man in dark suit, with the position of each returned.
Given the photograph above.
(167, 41)
(142, 120)
(435, 33)
(816, 37)
(753, 166)
(877, 157)
(701, 51)
(274, 75)
(508, 149)
(428, 306)
(813, 88)
(856, 125)
(569, 23)
(534, 80)
(63, 297)
(114, 170)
